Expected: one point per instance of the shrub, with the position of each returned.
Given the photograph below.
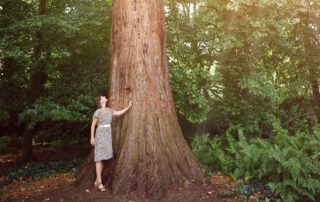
(210, 154)
(290, 164)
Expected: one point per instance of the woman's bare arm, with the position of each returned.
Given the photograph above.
(119, 113)
(93, 126)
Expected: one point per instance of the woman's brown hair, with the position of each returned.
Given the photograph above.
(98, 104)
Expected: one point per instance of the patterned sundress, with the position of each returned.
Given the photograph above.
(103, 137)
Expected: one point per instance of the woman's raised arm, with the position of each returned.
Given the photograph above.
(119, 113)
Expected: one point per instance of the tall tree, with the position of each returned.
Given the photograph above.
(35, 88)
(311, 49)
(151, 154)
(47, 44)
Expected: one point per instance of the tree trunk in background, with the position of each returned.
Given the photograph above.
(313, 78)
(35, 88)
(310, 50)
(150, 152)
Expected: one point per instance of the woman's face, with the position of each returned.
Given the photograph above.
(103, 99)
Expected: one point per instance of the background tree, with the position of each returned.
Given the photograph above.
(36, 83)
(68, 55)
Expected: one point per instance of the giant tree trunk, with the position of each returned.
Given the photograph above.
(150, 152)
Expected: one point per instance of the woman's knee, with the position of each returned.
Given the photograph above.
(98, 162)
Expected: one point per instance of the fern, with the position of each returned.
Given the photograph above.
(292, 173)
(288, 164)
(210, 154)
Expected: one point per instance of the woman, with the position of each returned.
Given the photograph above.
(102, 140)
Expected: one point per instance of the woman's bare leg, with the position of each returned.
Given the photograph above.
(99, 167)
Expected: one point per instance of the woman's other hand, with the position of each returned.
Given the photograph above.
(92, 141)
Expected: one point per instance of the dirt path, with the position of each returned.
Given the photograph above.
(59, 188)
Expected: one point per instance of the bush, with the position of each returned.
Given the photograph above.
(288, 165)
(210, 154)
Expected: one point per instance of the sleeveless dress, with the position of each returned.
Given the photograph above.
(103, 138)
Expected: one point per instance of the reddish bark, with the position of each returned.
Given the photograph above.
(151, 154)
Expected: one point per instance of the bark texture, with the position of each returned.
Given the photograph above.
(150, 152)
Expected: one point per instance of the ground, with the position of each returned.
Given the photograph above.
(58, 187)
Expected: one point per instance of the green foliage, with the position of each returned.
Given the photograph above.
(284, 161)
(44, 109)
(250, 188)
(188, 94)
(256, 62)
(239, 61)
(72, 51)
(217, 154)
(288, 164)
(210, 154)
(191, 71)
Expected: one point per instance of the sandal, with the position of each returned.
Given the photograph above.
(99, 186)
